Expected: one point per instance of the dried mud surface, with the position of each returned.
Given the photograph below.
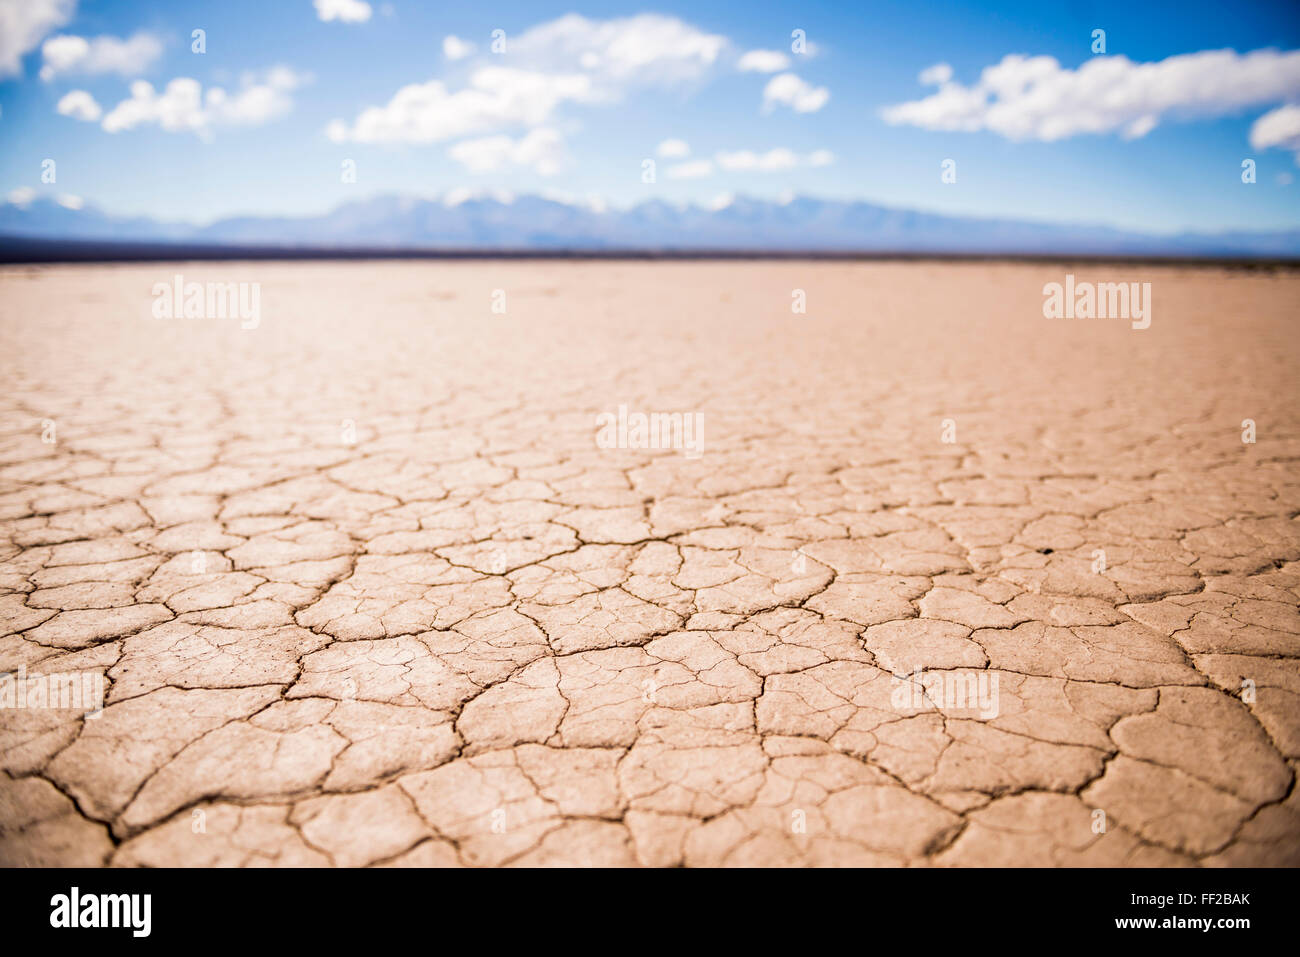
(472, 637)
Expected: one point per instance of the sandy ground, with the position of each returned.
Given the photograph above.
(365, 588)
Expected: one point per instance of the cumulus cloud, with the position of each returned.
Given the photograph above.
(69, 201)
(1281, 128)
(67, 53)
(23, 24)
(541, 150)
(692, 170)
(345, 11)
(21, 196)
(178, 107)
(79, 105)
(183, 106)
(646, 49)
(792, 91)
(568, 60)
(763, 61)
(454, 48)
(496, 98)
(673, 149)
(1036, 98)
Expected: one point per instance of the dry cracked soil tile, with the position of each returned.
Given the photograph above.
(388, 603)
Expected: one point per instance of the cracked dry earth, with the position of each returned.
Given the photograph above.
(474, 637)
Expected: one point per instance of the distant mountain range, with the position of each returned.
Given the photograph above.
(536, 224)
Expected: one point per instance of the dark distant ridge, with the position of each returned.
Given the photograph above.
(33, 251)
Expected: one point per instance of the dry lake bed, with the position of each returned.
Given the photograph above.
(649, 563)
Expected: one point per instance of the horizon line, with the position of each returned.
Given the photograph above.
(18, 250)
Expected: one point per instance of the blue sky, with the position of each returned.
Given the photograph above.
(262, 122)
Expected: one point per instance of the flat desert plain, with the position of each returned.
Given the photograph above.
(394, 575)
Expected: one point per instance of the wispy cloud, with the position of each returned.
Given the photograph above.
(673, 149)
(773, 160)
(345, 11)
(454, 48)
(690, 170)
(763, 61)
(748, 161)
(541, 150)
(936, 75)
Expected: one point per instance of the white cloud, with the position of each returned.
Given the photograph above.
(454, 48)
(497, 97)
(568, 60)
(774, 160)
(770, 161)
(541, 149)
(721, 201)
(79, 105)
(67, 53)
(798, 94)
(345, 11)
(1280, 127)
(936, 75)
(258, 100)
(1036, 98)
(182, 105)
(763, 61)
(178, 107)
(22, 195)
(647, 49)
(673, 149)
(692, 170)
(69, 201)
(23, 24)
